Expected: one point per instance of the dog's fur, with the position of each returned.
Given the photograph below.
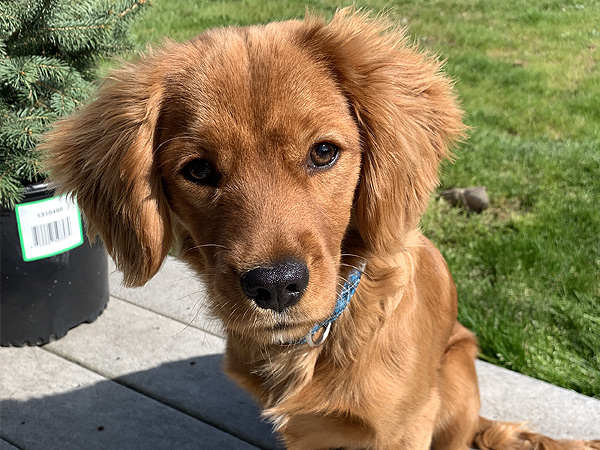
(397, 371)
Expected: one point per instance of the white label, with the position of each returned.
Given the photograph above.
(48, 227)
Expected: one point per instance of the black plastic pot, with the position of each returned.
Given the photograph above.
(42, 297)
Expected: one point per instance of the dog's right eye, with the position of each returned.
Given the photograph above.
(323, 155)
(200, 171)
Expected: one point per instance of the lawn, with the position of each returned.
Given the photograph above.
(527, 75)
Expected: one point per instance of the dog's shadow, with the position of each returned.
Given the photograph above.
(188, 404)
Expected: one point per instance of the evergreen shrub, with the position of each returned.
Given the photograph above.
(49, 50)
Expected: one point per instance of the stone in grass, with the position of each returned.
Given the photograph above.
(472, 199)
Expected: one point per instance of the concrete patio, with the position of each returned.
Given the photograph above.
(147, 375)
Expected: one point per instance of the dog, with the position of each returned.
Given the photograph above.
(289, 164)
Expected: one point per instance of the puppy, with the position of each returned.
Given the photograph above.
(281, 162)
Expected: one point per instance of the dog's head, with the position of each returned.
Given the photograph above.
(256, 152)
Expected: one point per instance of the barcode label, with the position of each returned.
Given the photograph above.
(48, 227)
(52, 232)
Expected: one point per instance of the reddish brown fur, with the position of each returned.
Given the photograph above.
(397, 371)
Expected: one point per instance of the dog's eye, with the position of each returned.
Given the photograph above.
(323, 155)
(200, 171)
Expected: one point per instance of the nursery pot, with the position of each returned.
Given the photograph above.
(52, 279)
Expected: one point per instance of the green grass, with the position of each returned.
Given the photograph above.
(527, 74)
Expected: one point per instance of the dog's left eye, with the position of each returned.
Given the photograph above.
(200, 171)
(323, 155)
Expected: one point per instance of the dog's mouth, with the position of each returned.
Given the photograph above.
(287, 327)
(280, 327)
(285, 332)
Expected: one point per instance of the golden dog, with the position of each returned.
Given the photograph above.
(280, 160)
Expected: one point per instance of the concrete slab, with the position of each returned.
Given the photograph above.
(6, 446)
(174, 292)
(546, 408)
(162, 358)
(147, 375)
(49, 403)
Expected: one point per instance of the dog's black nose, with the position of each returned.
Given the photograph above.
(276, 287)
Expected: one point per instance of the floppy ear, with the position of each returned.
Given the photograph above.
(406, 112)
(104, 155)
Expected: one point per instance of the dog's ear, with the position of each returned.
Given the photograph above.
(104, 156)
(406, 112)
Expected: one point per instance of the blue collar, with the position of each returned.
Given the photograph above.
(340, 305)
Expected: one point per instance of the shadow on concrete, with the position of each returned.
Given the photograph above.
(204, 410)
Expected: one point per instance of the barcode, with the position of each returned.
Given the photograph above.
(49, 233)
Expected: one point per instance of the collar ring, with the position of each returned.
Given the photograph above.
(309, 337)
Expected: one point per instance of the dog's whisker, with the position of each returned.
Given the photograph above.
(187, 250)
(353, 256)
(201, 307)
(196, 247)
(361, 270)
(217, 254)
(210, 245)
